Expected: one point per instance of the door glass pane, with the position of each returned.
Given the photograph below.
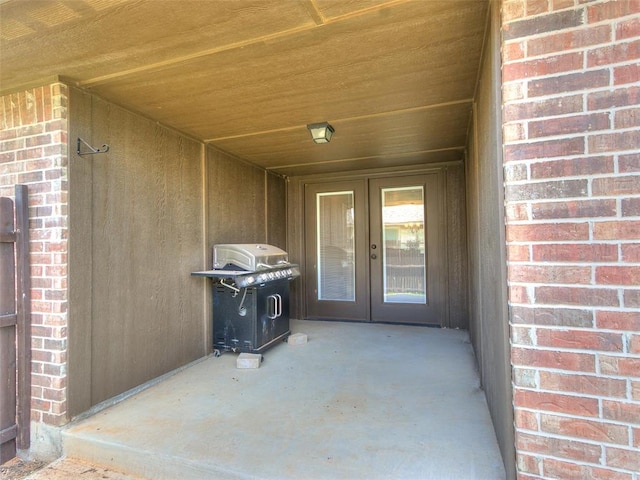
(403, 249)
(336, 247)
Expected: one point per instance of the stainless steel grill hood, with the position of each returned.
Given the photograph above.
(249, 264)
(248, 256)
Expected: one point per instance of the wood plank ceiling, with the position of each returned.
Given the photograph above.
(395, 78)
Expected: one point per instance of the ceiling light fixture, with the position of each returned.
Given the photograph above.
(321, 132)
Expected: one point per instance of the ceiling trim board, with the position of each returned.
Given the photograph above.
(370, 157)
(377, 172)
(346, 119)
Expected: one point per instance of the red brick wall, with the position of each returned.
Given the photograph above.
(33, 151)
(572, 167)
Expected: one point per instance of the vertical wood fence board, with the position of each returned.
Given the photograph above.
(7, 334)
(23, 280)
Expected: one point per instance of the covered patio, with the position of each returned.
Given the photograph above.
(357, 401)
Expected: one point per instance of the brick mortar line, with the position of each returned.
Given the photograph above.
(570, 393)
(567, 328)
(605, 156)
(532, 306)
(566, 460)
(612, 42)
(53, 389)
(573, 373)
(569, 220)
(24, 162)
(545, 306)
(573, 393)
(531, 283)
(557, 180)
(62, 146)
(584, 155)
(626, 336)
(584, 8)
(574, 135)
(577, 220)
(597, 353)
(583, 286)
(629, 426)
(583, 26)
(566, 221)
(549, 263)
(574, 263)
(607, 353)
(565, 93)
(583, 69)
(27, 126)
(592, 419)
(563, 115)
(557, 53)
(569, 8)
(619, 196)
(569, 115)
(610, 67)
(24, 138)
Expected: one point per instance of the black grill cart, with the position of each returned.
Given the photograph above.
(250, 300)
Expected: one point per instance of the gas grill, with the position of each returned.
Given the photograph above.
(250, 287)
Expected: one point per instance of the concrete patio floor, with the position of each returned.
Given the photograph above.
(358, 401)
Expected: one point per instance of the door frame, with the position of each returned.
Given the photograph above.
(455, 310)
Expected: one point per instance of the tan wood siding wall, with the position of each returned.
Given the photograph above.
(245, 203)
(236, 201)
(277, 211)
(136, 232)
(487, 256)
(142, 217)
(456, 244)
(80, 256)
(295, 243)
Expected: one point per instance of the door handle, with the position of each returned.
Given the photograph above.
(274, 306)
(278, 305)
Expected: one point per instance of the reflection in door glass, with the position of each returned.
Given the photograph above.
(336, 246)
(403, 234)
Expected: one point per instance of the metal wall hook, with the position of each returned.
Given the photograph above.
(103, 149)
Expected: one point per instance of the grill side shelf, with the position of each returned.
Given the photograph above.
(218, 273)
(243, 278)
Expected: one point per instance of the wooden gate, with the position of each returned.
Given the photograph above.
(15, 325)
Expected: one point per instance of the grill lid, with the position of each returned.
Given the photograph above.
(248, 256)
(249, 265)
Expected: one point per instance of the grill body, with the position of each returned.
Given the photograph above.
(251, 320)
